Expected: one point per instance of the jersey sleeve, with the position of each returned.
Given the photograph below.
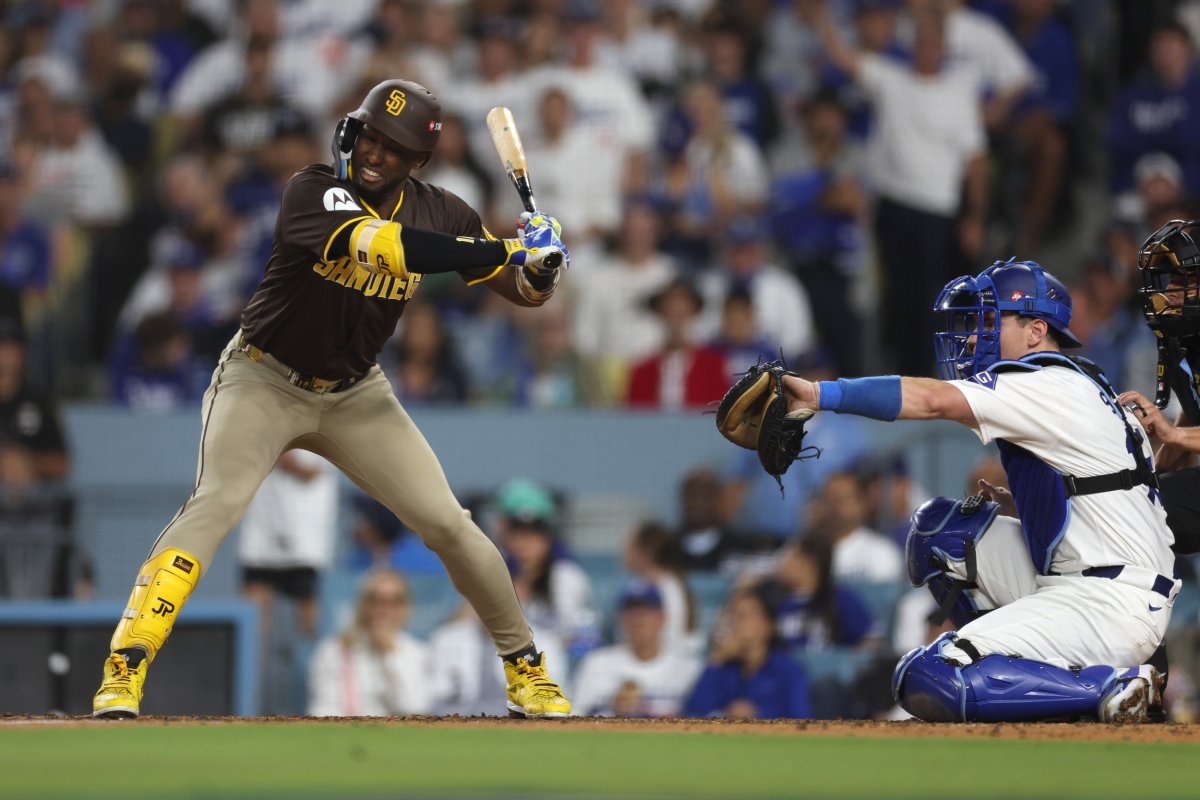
(1017, 407)
(462, 220)
(316, 207)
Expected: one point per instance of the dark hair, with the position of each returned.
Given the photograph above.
(823, 603)
(662, 545)
(769, 596)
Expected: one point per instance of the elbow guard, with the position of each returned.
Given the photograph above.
(375, 245)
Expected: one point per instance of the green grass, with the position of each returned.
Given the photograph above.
(369, 761)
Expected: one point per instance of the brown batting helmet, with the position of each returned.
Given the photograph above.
(403, 111)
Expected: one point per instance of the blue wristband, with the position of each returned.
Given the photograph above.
(877, 398)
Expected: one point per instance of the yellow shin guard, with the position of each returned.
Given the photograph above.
(162, 587)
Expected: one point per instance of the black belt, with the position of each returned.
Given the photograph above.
(1162, 584)
(308, 383)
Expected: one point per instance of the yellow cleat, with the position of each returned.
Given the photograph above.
(531, 693)
(120, 694)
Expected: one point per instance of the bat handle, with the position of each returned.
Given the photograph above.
(525, 190)
(553, 261)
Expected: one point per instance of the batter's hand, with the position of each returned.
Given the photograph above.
(538, 247)
(801, 394)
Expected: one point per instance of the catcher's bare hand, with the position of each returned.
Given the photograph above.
(802, 395)
(999, 495)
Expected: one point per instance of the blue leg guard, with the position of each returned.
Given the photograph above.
(996, 688)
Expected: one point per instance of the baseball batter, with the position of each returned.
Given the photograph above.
(1078, 610)
(352, 243)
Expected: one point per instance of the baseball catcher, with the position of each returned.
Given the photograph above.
(1079, 601)
(753, 414)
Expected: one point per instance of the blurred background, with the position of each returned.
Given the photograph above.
(736, 181)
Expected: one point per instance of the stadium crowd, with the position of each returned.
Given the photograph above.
(736, 180)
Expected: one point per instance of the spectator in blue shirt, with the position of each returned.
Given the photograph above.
(817, 210)
(815, 613)
(749, 102)
(154, 370)
(750, 675)
(1159, 111)
(1041, 119)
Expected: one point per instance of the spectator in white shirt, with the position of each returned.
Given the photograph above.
(652, 555)
(578, 172)
(554, 590)
(643, 676)
(781, 305)
(374, 668)
(76, 174)
(722, 173)
(613, 325)
(860, 554)
(926, 152)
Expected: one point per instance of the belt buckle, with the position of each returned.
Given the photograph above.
(306, 382)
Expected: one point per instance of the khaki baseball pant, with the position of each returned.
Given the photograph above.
(251, 414)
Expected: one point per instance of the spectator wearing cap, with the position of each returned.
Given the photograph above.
(749, 674)
(926, 159)
(155, 370)
(1158, 111)
(554, 590)
(683, 374)
(374, 668)
(652, 555)
(781, 305)
(643, 676)
(27, 416)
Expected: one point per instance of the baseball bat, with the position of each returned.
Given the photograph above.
(507, 139)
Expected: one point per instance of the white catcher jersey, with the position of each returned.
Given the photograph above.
(1060, 418)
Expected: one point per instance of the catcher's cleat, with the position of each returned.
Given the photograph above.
(1132, 695)
(120, 694)
(531, 693)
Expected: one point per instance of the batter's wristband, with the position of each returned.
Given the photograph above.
(877, 398)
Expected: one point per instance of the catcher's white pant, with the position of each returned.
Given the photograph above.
(252, 414)
(1064, 620)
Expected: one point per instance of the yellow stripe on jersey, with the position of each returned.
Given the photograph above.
(334, 235)
(375, 245)
(487, 235)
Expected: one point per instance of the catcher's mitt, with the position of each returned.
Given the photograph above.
(753, 414)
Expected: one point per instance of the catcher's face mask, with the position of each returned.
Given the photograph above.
(1169, 264)
(969, 339)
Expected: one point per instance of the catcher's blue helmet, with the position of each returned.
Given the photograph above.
(969, 341)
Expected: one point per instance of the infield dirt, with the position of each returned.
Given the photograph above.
(1060, 731)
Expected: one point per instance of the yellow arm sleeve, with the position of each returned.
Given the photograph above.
(375, 245)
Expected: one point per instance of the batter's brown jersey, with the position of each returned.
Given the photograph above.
(320, 313)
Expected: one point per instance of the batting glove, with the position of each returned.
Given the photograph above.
(538, 247)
